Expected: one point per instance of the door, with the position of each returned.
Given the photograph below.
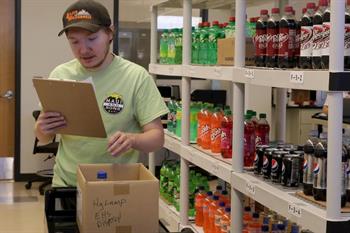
(7, 78)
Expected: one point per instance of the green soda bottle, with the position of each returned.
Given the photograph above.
(163, 179)
(171, 47)
(171, 183)
(178, 119)
(230, 28)
(214, 34)
(195, 44)
(170, 105)
(203, 44)
(195, 108)
(163, 50)
(178, 46)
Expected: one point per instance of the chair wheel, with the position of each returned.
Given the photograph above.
(28, 185)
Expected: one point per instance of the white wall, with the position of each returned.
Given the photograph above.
(41, 51)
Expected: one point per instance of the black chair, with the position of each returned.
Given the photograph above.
(50, 149)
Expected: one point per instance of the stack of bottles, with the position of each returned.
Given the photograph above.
(213, 211)
(315, 168)
(285, 42)
(170, 184)
(170, 51)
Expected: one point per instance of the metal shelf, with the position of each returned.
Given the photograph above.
(283, 201)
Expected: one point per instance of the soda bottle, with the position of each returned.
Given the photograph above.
(195, 44)
(194, 110)
(171, 47)
(203, 44)
(309, 160)
(178, 119)
(206, 131)
(344, 160)
(199, 199)
(220, 211)
(306, 37)
(214, 34)
(249, 142)
(262, 131)
(297, 41)
(347, 36)
(317, 35)
(247, 217)
(218, 190)
(206, 203)
(212, 209)
(347, 173)
(286, 40)
(326, 34)
(225, 221)
(226, 135)
(224, 197)
(260, 38)
(251, 28)
(215, 130)
(163, 50)
(254, 119)
(178, 46)
(319, 189)
(230, 28)
(200, 124)
(254, 225)
(170, 116)
(272, 38)
(265, 229)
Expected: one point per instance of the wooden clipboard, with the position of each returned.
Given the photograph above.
(76, 101)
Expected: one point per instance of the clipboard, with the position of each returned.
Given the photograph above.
(76, 101)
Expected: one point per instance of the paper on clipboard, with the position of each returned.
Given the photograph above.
(76, 101)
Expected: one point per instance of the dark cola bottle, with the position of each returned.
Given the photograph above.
(272, 38)
(297, 41)
(286, 39)
(319, 188)
(347, 37)
(326, 35)
(305, 61)
(260, 38)
(317, 35)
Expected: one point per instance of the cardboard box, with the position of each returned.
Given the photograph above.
(126, 202)
(226, 52)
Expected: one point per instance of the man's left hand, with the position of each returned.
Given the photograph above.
(120, 142)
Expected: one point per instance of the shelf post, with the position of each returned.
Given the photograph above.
(238, 112)
(335, 113)
(185, 96)
(153, 59)
(281, 108)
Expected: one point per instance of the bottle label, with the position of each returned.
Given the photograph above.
(347, 40)
(317, 40)
(326, 35)
(297, 42)
(320, 176)
(306, 41)
(272, 42)
(205, 130)
(260, 42)
(286, 42)
(226, 138)
(215, 134)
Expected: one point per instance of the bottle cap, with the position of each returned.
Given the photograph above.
(247, 116)
(275, 10)
(225, 24)
(215, 198)
(209, 193)
(256, 215)
(262, 115)
(264, 12)
(101, 174)
(288, 9)
(218, 187)
(265, 228)
(310, 5)
(228, 209)
(304, 10)
(323, 3)
(224, 192)
(232, 19)
(215, 22)
(222, 204)
(247, 208)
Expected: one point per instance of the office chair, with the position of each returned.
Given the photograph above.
(51, 149)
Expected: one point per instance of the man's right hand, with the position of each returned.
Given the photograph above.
(47, 124)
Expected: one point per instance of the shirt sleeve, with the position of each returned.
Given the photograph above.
(149, 103)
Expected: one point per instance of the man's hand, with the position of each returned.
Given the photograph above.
(49, 122)
(120, 143)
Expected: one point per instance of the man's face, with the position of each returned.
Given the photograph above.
(91, 49)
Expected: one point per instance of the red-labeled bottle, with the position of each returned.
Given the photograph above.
(249, 142)
(326, 24)
(306, 37)
(317, 35)
(287, 32)
(226, 135)
(262, 131)
(272, 38)
(260, 38)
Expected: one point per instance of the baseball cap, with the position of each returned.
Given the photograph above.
(86, 14)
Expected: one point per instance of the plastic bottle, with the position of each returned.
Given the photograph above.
(249, 142)
(178, 46)
(218, 190)
(101, 175)
(176, 189)
(262, 131)
(195, 44)
(178, 119)
(163, 50)
(171, 47)
(226, 134)
(171, 184)
(306, 37)
(215, 130)
(254, 119)
(200, 115)
(220, 211)
(281, 228)
(212, 209)
(254, 226)
(203, 44)
(272, 38)
(226, 221)
(206, 203)
(230, 28)
(247, 217)
(163, 179)
(260, 38)
(319, 189)
(347, 36)
(224, 197)
(265, 229)
(326, 24)
(297, 41)
(344, 160)
(294, 229)
(199, 199)
(287, 32)
(214, 34)
(194, 110)
(317, 35)
(205, 131)
(309, 160)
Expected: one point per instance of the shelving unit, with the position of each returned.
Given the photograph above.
(283, 201)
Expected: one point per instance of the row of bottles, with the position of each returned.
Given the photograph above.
(170, 51)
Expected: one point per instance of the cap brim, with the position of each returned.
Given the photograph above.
(84, 25)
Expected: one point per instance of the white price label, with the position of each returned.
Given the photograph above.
(249, 73)
(296, 77)
(250, 188)
(294, 210)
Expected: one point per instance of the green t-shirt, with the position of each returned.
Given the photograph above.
(128, 99)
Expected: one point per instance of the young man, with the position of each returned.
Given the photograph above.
(129, 101)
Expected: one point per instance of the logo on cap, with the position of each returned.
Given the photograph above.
(78, 15)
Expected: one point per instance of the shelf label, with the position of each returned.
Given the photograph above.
(296, 77)
(250, 188)
(249, 73)
(294, 210)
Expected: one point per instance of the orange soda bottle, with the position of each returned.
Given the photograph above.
(198, 202)
(206, 203)
(254, 225)
(218, 190)
(205, 131)
(212, 209)
(200, 125)
(218, 215)
(225, 221)
(224, 197)
(247, 217)
(215, 130)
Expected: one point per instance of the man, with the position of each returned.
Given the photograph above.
(132, 122)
